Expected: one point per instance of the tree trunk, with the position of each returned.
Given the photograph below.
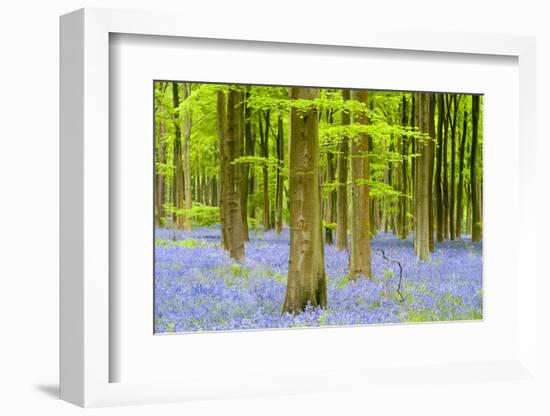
(250, 150)
(476, 212)
(306, 270)
(403, 229)
(360, 250)
(452, 191)
(232, 181)
(280, 167)
(160, 182)
(445, 170)
(460, 188)
(205, 188)
(214, 192)
(422, 194)
(245, 168)
(414, 141)
(374, 216)
(187, 121)
(431, 158)
(388, 203)
(264, 144)
(469, 208)
(222, 197)
(382, 199)
(342, 187)
(194, 190)
(178, 177)
(331, 201)
(438, 178)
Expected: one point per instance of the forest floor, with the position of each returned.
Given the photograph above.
(198, 287)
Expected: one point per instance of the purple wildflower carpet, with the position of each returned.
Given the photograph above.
(198, 287)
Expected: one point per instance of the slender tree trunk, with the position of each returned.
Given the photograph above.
(214, 192)
(264, 143)
(403, 229)
(438, 176)
(480, 202)
(476, 212)
(330, 205)
(222, 197)
(388, 204)
(245, 168)
(374, 203)
(445, 170)
(306, 269)
(469, 207)
(194, 190)
(342, 187)
(331, 201)
(422, 193)
(374, 215)
(460, 188)
(161, 180)
(187, 122)
(452, 201)
(383, 200)
(205, 188)
(396, 178)
(360, 250)
(280, 167)
(414, 146)
(431, 158)
(232, 180)
(178, 178)
(250, 146)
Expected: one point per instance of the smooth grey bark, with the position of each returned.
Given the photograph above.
(178, 185)
(422, 193)
(232, 180)
(438, 173)
(403, 229)
(360, 249)
(264, 147)
(280, 167)
(306, 269)
(187, 122)
(342, 187)
(460, 187)
(476, 209)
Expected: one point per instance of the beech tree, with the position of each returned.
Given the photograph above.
(422, 188)
(264, 145)
(160, 160)
(403, 229)
(360, 250)
(247, 151)
(452, 191)
(187, 121)
(178, 190)
(306, 269)
(342, 184)
(438, 173)
(460, 187)
(280, 167)
(476, 209)
(229, 116)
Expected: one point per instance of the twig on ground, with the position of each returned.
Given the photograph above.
(401, 297)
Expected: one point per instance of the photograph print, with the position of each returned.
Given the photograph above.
(294, 207)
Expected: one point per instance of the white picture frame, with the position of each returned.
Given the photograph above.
(86, 356)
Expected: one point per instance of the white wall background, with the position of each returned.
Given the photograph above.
(29, 56)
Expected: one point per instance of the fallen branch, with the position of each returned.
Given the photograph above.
(401, 297)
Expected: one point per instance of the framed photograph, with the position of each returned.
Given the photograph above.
(280, 213)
